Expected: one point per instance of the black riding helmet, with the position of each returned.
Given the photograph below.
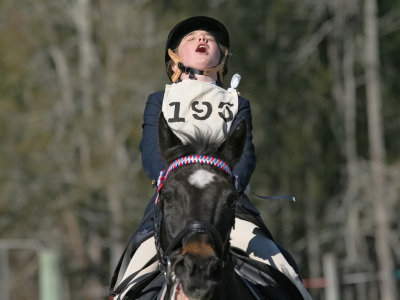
(216, 28)
(180, 30)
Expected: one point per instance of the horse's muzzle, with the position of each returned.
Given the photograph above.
(198, 268)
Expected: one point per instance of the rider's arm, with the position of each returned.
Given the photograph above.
(247, 163)
(152, 161)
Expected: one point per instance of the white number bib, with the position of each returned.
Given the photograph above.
(192, 105)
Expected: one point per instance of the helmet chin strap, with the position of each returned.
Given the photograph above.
(192, 71)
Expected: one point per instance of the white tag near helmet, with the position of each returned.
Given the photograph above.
(192, 105)
(235, 82)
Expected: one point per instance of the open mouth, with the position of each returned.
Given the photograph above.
(201, 48)
(180, 294)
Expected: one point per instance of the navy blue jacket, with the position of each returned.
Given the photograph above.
(152, 161)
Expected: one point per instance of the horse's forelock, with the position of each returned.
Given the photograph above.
(200, 143)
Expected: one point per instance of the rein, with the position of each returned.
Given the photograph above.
(194, 227)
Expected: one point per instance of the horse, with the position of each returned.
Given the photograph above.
(195, 212)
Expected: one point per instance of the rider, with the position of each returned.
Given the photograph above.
(196, 56)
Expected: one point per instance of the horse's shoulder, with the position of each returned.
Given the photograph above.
(264, 281)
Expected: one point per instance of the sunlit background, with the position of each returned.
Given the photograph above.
(322, 77)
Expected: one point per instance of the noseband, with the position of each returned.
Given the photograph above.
(194, 227)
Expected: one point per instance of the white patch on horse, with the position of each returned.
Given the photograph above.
(201, 178)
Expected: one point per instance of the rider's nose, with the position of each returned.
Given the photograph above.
(202, 38)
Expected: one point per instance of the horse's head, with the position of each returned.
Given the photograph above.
(196, 208)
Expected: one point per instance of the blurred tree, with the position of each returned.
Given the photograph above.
(74, 79)
(82, 82)
(377, 153)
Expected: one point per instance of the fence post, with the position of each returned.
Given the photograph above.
(330, 273)
(49, 277)
(4, 275)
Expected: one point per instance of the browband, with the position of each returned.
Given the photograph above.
(192, 159)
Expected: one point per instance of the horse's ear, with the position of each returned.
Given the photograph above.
(231, 150)
(166, 137)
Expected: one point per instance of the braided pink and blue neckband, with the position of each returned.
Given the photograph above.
(192, 159)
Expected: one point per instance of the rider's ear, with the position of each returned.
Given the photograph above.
(166, 137)
(231, 150)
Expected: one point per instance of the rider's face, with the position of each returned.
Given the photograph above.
(199, 50)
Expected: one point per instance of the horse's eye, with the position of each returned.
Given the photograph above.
(231, 200)
(166, 197)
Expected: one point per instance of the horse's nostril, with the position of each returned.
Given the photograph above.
(179, 267)
(184, 265)
(190, 265)
(214, 269)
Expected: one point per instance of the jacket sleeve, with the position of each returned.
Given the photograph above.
(247, 163)
(152, 161)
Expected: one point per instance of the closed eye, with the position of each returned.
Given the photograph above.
(166, 197)
(231, 200)
(189, 37)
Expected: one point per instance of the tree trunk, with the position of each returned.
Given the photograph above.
(342, 61)
(81, 14)
(313, 242)
(377, 153)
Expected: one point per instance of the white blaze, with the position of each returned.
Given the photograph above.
(201, 178)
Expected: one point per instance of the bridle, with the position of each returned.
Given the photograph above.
(222, 248)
